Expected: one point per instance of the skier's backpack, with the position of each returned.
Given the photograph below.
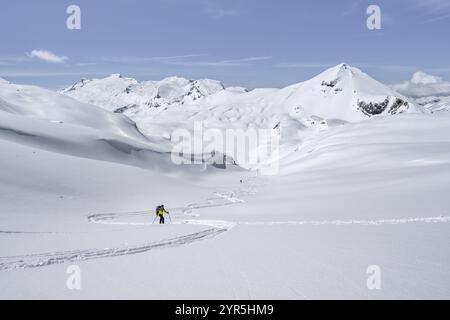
(157, 210)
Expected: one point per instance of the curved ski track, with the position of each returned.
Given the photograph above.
(216, 227)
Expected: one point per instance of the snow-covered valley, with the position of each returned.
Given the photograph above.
(363, 176)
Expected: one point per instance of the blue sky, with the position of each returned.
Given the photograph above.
(253, 43)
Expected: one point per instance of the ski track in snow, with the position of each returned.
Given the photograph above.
(27, 232)
(216, 227)
(440, 219)
(47, 259)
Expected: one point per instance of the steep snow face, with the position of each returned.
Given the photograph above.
(342, 92)
(131, 97)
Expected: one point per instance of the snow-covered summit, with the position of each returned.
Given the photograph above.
(127, 95)
(342, 92)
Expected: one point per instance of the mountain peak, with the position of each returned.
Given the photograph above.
(344, 68)
(342, 92)
(116, 75)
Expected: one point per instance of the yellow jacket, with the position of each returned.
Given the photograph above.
(160, 211)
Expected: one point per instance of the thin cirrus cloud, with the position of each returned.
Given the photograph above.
(434, 10)
(353, 7)
(10, 61)
(47, 56)
(136, 59)
(222, 63)
(303, 65)
(219, 12)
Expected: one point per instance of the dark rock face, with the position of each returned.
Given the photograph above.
(123, 109)
(330, 84)
(398, 103)
(78, 85)
(375, 108)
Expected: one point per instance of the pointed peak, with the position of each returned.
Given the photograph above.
(339, 72)
(76, 85)
(342, 67)
(119, 78)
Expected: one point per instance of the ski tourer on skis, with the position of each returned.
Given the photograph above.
(160, 211)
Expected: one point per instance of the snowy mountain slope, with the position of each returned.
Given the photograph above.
(339, 95)
(50, 121)
(434, 104)
(35, 102)
(125, 95)
(406, 141)
(79, 186)
(342, 92)
(357, 195)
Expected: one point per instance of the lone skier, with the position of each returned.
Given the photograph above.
(160, 211)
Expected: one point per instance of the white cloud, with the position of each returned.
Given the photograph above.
(424, 78)
(47, 56)
(423, 85)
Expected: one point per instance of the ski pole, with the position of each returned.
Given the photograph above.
(170, 218)
(154, 220)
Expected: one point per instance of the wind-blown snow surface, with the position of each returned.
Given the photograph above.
(348, 195)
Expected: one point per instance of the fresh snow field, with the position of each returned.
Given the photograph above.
(363, 179)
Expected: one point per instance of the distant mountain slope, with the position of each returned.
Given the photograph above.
(51, 121)
(341, 92)
(434, 104)
(31, 101)
(54, 122)
(126, 95)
